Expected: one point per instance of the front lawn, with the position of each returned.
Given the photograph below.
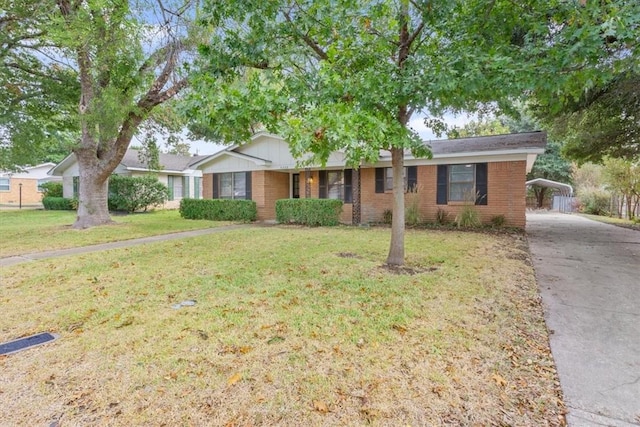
(290, 327)
(26, 231)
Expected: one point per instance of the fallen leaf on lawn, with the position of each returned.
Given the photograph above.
(499, 380)
(320, 406)
(400, 329)
(234, 378)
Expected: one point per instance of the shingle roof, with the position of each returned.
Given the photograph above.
(172, 162)
(513, 141)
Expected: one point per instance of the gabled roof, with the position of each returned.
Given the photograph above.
(173, 162)
(131, 161)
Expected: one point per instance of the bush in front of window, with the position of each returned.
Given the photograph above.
(468, 217)
(311, 212)
(219, 209)
(130, 194)
(58, 204)
(51, 189)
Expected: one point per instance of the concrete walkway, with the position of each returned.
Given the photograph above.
(589, 278)
(9, 261)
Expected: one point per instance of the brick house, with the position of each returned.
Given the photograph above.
(177, 173)
(488, 172)
(23, 186)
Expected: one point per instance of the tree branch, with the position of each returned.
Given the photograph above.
(308, 40)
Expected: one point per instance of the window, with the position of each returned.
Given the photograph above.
(76, 186)
(40, 182)
(295, 186)
(5, 184)
(458, 183)
(384, 179)
(462, 182)
(185, 186)
(197, 185)
(232, 185)
(174, 183)
(336, 185)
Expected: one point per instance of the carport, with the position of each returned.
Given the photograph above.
(565, 199)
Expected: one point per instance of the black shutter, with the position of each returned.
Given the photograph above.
(322, 184)
(441, 197)
(348, 188)
(247, 186)
(481, 184)
(215, 185)
(412, 178)
(379, 180)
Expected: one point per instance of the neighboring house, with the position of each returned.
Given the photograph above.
(177, 173)
(23, 187)
(488, 172)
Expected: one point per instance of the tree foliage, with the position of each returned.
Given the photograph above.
(552, 166)
(604, 119)
(622, 177)
(38, 95)
(94, 69)
(604, 122)
(348, 75)
(480, 127)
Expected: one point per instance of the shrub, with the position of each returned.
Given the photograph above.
(595, 202)
(442, 217)
(219, 209)
(130, 194)
(412, 211)
(468, 217)
(498, 220)
(51, 189)
(311, 212)
(59, 204)
(387, 216)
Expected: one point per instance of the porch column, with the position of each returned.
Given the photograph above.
(355, 208)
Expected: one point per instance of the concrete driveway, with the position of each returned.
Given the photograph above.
(589, 278)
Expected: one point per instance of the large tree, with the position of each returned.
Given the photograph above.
(604, 120)
(37, 95)
(347, 75)
(119, 60)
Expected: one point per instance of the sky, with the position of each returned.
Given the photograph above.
(417, 123)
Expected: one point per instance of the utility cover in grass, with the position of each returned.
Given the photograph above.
(26, 342)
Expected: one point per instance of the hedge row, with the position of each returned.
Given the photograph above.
(311, 212)
(59, 204)
(219, 209)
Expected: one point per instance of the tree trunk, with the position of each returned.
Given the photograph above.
(396, 249)
(93, 192)
(540, 197)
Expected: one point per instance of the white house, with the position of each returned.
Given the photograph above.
(177, 173)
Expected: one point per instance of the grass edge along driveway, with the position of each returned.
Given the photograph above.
(291, 326)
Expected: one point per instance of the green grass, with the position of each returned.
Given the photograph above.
(26, 231)
(620, 222)
(291, 326)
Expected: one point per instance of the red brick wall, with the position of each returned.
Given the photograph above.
(207, 186)
(506, 195)
(266, 188)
